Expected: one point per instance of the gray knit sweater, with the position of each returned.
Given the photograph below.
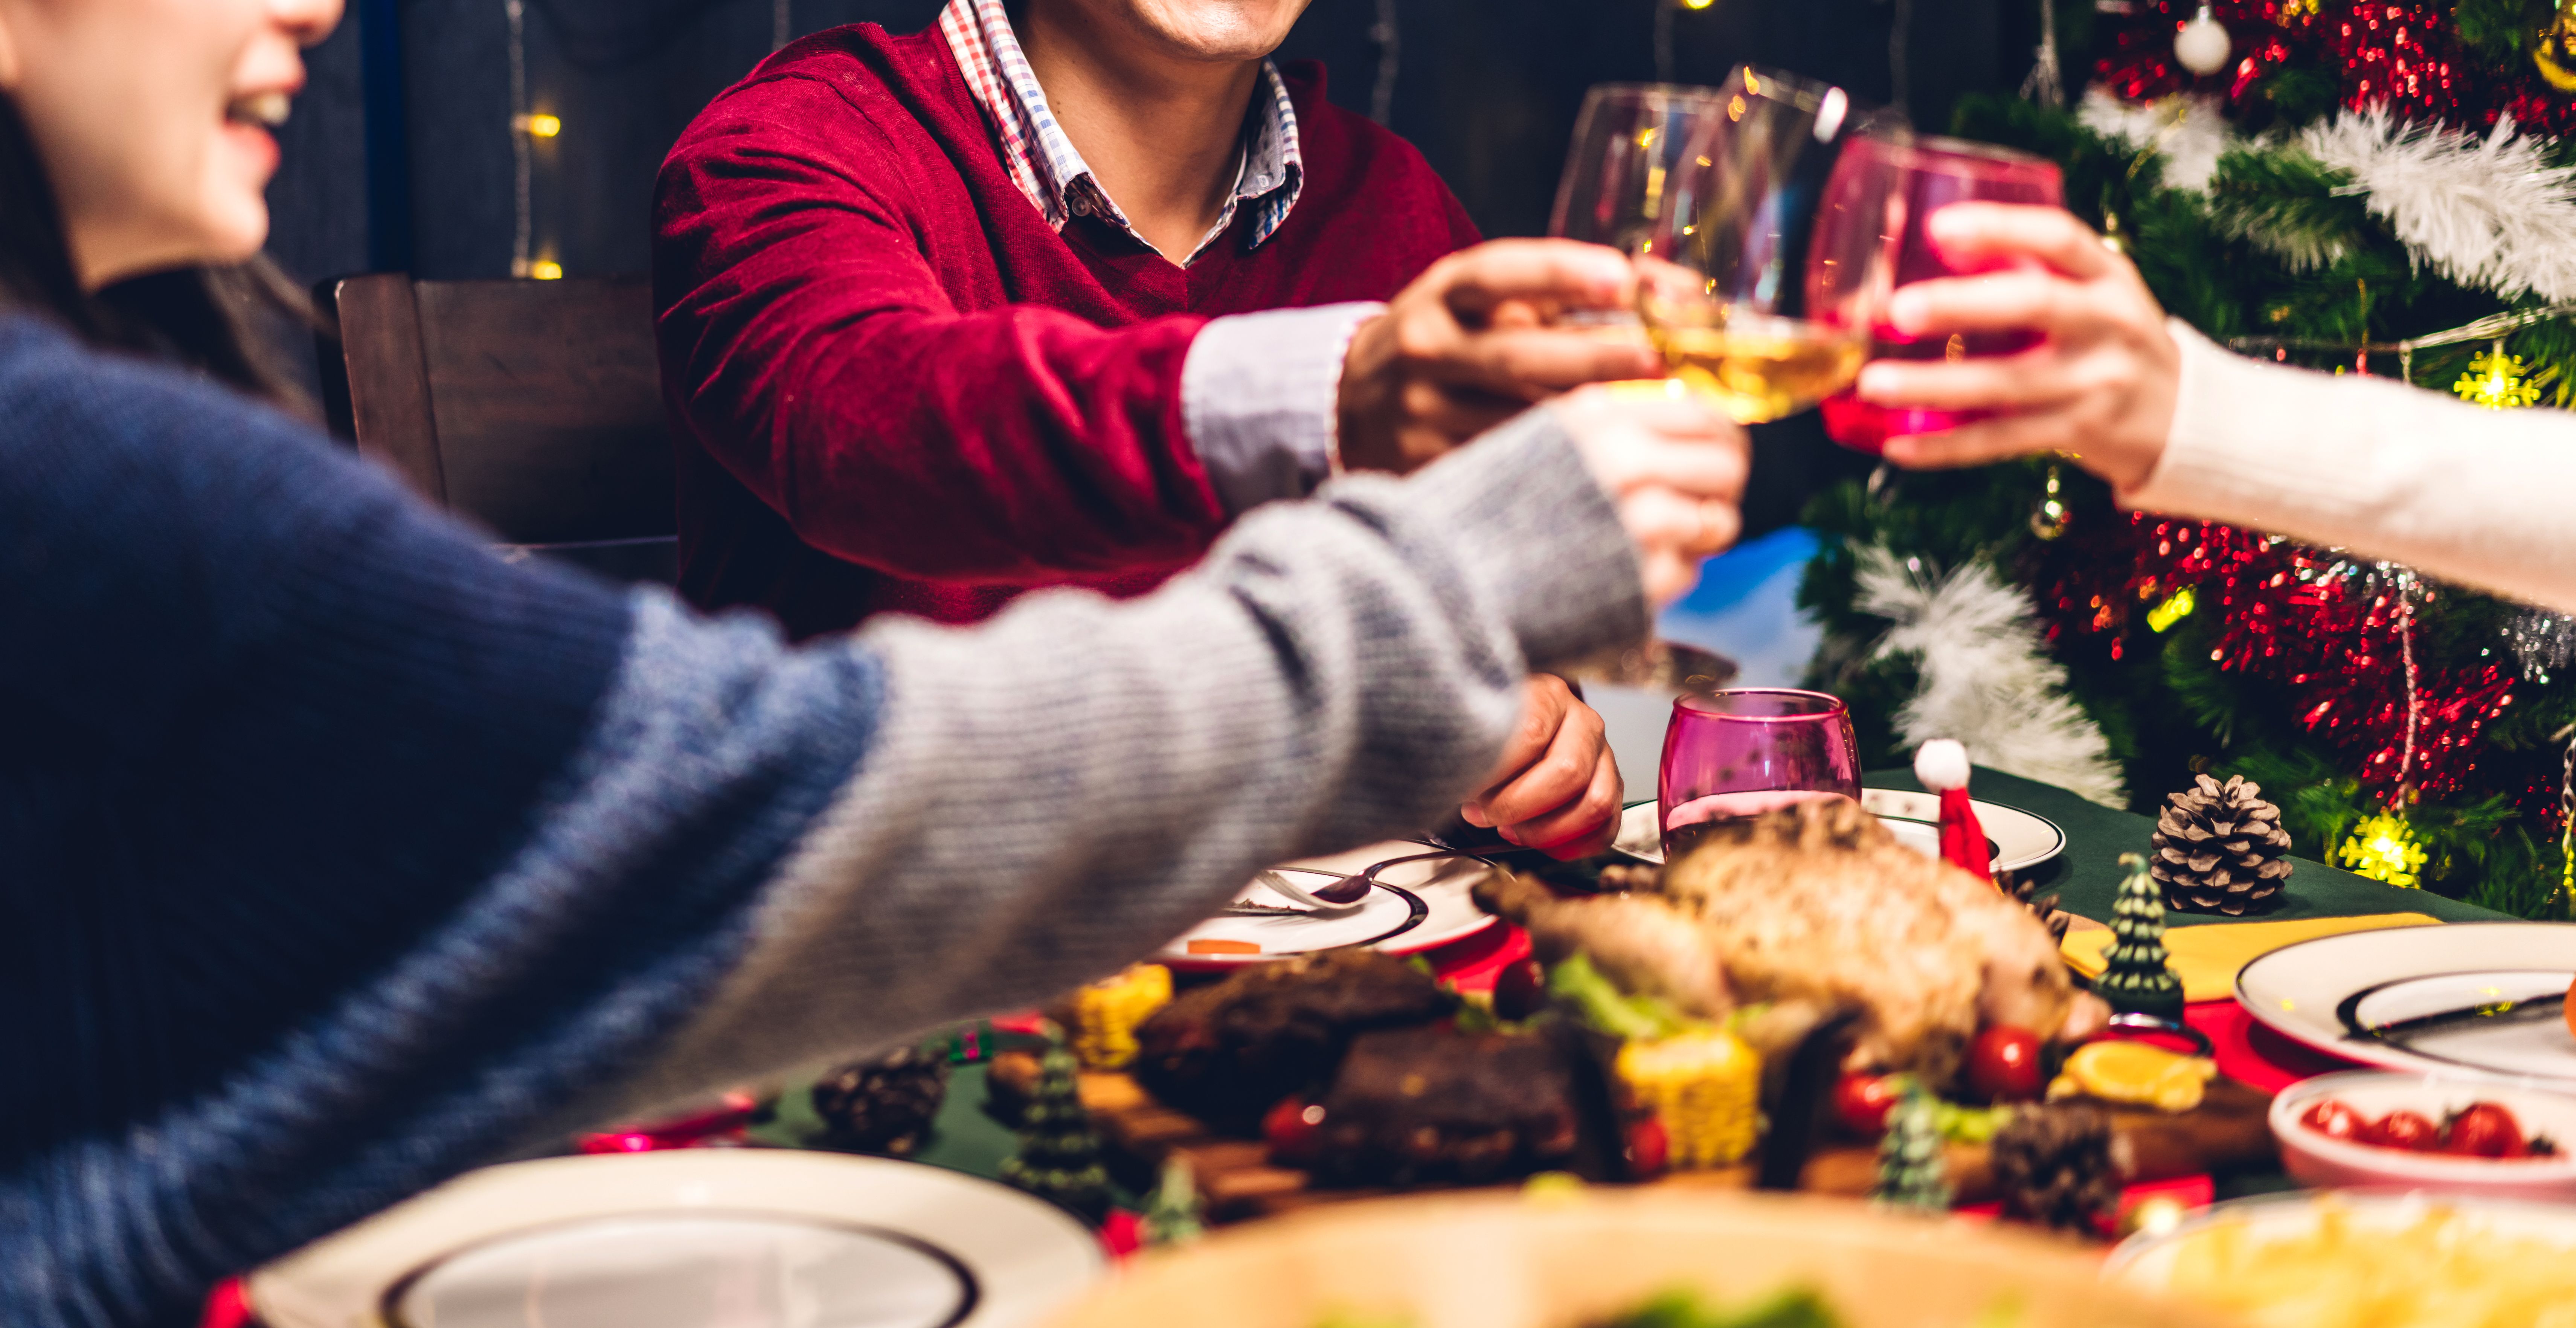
(338, 856)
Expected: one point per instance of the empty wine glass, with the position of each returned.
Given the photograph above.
(1742, 752)
(1870, 240)
(1721, 270)
(1628, 145)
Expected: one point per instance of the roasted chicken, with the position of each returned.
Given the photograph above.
(1812, 908)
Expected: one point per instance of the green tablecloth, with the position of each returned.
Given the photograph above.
(2087, 875)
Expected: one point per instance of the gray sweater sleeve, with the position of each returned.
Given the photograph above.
(1060, 791)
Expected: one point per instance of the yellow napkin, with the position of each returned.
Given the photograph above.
(2207, 957)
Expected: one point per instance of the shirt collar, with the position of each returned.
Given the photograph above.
(1042, 160)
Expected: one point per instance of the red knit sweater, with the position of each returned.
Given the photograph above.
(896, 388)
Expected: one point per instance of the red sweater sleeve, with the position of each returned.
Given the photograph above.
(809, 343)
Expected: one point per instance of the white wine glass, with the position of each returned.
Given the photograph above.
(1628, 145)
(1722, 287)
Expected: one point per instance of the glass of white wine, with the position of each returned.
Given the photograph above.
(1628, 144)
(1722, 286)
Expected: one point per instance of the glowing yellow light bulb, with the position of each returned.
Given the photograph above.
(540, 126)
(546, 269)
(1697, 4)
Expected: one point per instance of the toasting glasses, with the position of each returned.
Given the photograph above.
(1870, 240)
(1721, 270)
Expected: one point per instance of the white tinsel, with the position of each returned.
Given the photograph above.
(2187, 130)
(2491, 214)
(1986, 679)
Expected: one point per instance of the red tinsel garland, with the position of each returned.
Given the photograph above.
(2404, 56)
(2329, 631)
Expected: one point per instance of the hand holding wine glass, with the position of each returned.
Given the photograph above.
(1719, 272)
(1873, 243)
(2102, 383)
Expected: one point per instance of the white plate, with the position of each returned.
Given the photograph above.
(1419, 906)
(2298, 991)
(2016, 838)
(748, 1238)
(2146, 1261)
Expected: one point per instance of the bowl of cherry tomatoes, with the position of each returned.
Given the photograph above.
(2463, 1133)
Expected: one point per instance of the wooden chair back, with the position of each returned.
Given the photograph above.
(531, 407)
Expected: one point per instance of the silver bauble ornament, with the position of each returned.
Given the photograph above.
(2202, 45)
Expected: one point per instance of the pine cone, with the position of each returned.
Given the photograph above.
(2056, 1166)
(2219, 849)
(884, 1106)
(2042, 907)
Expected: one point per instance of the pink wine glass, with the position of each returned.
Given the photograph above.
(1875, 204)
(1738, 753)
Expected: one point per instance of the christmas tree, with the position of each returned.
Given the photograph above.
(1912, 1173)
(1059, 1156)
(2372, 188)
(2138, 980)
(1174, 1217)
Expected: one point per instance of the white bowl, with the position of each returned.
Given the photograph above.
(2319, 1160)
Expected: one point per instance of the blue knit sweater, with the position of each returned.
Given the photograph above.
(337, 856)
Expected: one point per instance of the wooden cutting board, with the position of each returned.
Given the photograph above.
(1236, 1179)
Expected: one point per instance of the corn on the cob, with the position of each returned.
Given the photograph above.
(1105, 1015)
(1705, 1088)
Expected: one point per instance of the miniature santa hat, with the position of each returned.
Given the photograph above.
(1942, 765)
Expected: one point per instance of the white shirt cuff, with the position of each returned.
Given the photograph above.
(1260, 395)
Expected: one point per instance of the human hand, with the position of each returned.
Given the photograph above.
(1557, 787)
(1467, 345)
(2101, 387)
(1674, 467)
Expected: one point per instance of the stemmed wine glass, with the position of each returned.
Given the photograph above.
(1720, 270)
(1870, 240)
(1739, 753)
(1627, 148)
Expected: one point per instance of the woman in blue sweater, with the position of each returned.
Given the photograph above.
(337, 856)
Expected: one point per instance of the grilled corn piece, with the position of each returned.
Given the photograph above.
(1105, 1015)
(1704, 1086)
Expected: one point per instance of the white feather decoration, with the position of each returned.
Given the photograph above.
(1986, 680)
(2187, 131)
(2490, 214)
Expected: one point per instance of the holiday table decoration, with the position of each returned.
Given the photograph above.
(1942, 765)
(883, 1106)
(2057, 1168)
(2138, 980)
(2219, 848)
(1059, 1157)
(1912, 1173)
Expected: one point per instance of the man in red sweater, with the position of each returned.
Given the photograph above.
(1048, 295)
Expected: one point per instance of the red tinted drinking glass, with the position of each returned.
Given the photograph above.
(1881, 192)
(1750, 750)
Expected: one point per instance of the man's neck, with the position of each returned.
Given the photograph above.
(1159, 132)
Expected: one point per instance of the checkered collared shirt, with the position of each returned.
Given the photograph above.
(1043, 162)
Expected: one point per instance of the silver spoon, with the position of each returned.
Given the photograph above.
(1353, 888)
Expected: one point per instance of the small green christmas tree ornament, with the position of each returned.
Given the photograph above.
(2138, 979)
(1059, 1156)
(1912, 1173)
(1173, 1218)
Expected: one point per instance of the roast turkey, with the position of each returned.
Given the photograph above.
(1812, 908)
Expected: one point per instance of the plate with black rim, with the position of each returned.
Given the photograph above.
(744, 1237)
(2482, 995)
(1416, 906)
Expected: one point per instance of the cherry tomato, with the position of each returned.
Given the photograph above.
(2483, 1129)
(1649, 1147)
(2003, 1064)
(1862, 1101)
(1292, 1130)
(1519, 989)
(2410, 1130)
(2335, 1120)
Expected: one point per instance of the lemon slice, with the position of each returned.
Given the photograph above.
(2135, 1072)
